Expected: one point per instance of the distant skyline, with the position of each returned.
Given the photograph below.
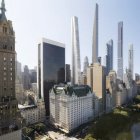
(51, 19)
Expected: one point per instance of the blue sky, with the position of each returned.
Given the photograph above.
(34, 19)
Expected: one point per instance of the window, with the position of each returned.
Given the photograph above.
(4, 46)
(4, 58)
(5, 30)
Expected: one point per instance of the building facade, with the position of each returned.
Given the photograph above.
(95, 37)
(109, 63)
(137, 77)
(33, 113)
(19, 84)
(76, 62)
(67, 73)
(9, 117)
(86, 64)
(111, 86)
(90, 76)
(99, 83)
(71, 106)
(130, 60)
(100, 60)
(51, 68)
(16, 135)
(26, 78)
(120, 51)
(33, 76)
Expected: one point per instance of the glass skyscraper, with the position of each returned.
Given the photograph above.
(51, 68)
(109, 63)
(76, 63)
(120, 51)
(130, 60)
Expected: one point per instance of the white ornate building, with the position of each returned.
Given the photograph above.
(33, 113)
(71, 106)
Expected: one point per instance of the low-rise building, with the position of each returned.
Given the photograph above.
(71, 106)
(33, 113)
(15, 135)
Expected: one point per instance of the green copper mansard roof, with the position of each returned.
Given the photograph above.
(79, 91)
(3, 10)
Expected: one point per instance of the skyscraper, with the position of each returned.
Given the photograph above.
(95, 37)
(99, 83)
(109, 63)
(67, 73)
(120, 51)
(9, 117)
(51, 68)
(19, 83)
(130, 60)
(76, 63)
(86, 64)
(33, 75)
(90, 76)
(100, 60)
(26, 78)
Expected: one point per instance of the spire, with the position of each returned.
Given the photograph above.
(3, 7)
(3, 10)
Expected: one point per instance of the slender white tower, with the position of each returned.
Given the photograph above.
(130, 60)
(95, 37)
(76, 66)
(120, 51)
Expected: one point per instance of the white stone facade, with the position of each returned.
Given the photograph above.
(16, 135)
(33, 113)
(68, 112)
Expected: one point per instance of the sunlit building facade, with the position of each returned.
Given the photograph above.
(76, 63)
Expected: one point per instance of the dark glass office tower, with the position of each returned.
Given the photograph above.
(109, 63)
(51, 68)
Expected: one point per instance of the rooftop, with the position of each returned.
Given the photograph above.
(53, 42)
(22, 107)
(78, 90)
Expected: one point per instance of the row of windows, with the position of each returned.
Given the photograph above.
(6, 88)
(6, 79)
(6, 73)
(11, 59)
(6, 69)
(9, 48)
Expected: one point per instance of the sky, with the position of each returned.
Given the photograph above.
(34, 19)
